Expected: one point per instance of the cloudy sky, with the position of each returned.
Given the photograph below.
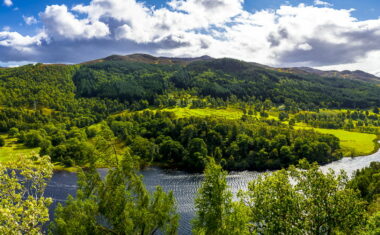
(338, 34)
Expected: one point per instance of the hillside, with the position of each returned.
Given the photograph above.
(244, 114)
(140, 77)
(218, 78)
(353, 75)
(149, 59)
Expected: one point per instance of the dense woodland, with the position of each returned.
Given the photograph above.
(55, 107)
(109, 114)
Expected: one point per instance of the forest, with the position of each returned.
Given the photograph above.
(210, 116)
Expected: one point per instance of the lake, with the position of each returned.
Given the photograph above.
(185, 185)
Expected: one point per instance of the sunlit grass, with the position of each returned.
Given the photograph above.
(352, 143)
(12, 149)
(230, 113)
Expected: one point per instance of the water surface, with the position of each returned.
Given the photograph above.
(185, 185)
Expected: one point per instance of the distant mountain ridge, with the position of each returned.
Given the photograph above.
(355, 75)
(146, 58)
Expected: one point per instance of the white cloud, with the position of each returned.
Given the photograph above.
(367, 63)
(322, 3)
(23, 44)
(8, 3)
(6, 28)
(61, 24)
(29, 20)
(300, 35)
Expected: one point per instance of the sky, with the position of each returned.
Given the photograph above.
(331, 34)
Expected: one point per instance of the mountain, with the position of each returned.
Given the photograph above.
(354, 75)
(145, 77)
(141, 79)
(145, 58)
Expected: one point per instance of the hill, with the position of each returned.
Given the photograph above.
(143, 78)
(354, 75)
(145, 58)
(237, 111)
(149, 59)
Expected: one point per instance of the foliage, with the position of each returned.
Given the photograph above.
(373, 225)
(306, 201)
(118, 204)
(2, 141)
(23, 207)
(367, 181)
(216, 213)
(250, 144)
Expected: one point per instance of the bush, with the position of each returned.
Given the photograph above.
(2, 141)
(13, 132)
(33, 139)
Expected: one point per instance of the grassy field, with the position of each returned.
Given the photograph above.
(227, 113)
(13, 149)
(352, 143)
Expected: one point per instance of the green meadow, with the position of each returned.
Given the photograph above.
(352, 143)
(225, 113)
(12, 149)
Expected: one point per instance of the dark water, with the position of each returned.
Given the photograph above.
(185, 185)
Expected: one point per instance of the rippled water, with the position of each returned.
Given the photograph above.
(185, 185)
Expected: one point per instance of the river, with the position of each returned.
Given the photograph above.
(185, 185)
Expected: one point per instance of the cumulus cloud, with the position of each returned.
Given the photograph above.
(29, 20)
(62, 24)
(8, 3)
(287, 36)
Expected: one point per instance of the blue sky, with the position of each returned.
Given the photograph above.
(274, 32)
(13, 16)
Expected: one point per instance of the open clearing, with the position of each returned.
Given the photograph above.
(13, 149)
(352, 143)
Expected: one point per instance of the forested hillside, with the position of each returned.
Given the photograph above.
(54, 86)
(221, 78)
(68, 112)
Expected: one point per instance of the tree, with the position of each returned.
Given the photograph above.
(2, 141)
(13, 132)
(283, 116)
(23, 207)
(216, 213)
(172, 151)
(118, 204)
(315, 203)
(274, 204)
(145, 149)
(33, 139)
(367, 181)
(373, 225)
(376, 110)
